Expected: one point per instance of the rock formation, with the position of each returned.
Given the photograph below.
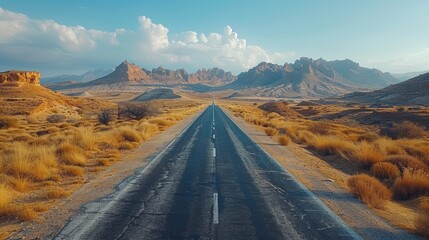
(11, 77)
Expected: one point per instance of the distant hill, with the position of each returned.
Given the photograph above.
(408, 75)
(86, 77)
(410, 92)
(159, 93)
(310, 78)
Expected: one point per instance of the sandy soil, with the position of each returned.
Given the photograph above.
(326, 182)
(98, 185)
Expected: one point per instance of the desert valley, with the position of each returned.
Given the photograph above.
(299, 149)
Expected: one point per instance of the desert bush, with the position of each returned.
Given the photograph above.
(161, 122)
(385, 170)
(388, 146)
(271, 131)
(366, 154)
(407, 129)
(137, 111)
(8, 122)
(405, 161)
(369, 190)
(56, 118)
(105, 117)
(283, 140)
(70, 154)
(412, 184)
(422, 221)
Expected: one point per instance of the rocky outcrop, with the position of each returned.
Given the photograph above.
(213, 76)
(125, 72)
(12, 77)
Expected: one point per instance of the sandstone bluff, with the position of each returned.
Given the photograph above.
(20, 77)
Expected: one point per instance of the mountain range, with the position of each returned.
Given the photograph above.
(412, 91)
(310, 78)
(305, 77)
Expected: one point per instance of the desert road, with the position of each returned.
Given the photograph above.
(211, 182)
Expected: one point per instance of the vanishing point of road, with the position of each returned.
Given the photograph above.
(211, 182)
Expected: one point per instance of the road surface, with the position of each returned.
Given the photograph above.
(212, 182)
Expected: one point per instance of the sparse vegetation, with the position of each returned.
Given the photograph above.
(407, 130)
(385, 170)
(271, 131)
(412, 184)
(369, 190)
(137, 111)
(283, 140)
(105, 117)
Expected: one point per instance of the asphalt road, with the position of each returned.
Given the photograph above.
(212, 182)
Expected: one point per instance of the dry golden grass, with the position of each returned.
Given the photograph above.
(408, 129)
(72, 170)
(86, 138)
(405, 161)
(56, 192)
(366, 154)
(129, 134)
(369, 190)
(271, 131)
(330, 144)
(21, 184)
(26, 213)
(283, 140)
(385, 170)
(70, 154)
(6, 197)
(412, 184)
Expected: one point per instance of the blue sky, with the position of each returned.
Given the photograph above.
(57, 37)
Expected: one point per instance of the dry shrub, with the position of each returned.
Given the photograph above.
(56, 192)
(407, 129)
(331, 145)
(161, 122)
(320, 128)
(405, 161)
(422, 222)
(385, 170)
(8, 122)
(126, 146)
(369, 190)
(283, 140)
(271, 131)
(272, 115)
(412, 184)
(73, 170)
(366, 154)
(70, 154)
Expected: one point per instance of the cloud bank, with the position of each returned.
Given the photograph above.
(44, 44)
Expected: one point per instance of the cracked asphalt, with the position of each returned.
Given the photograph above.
(212, 182)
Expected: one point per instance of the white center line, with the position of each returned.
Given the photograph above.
(214, 152)
(215, 209)
(214, 136)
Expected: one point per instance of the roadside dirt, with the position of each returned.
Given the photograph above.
(327, 182)
(99, 185)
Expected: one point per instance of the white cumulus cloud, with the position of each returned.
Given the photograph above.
(44, 44)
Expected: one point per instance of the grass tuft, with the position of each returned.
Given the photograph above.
(412, 184)
(283, 140)
(369, 190)
(271, 131)
(385, 170)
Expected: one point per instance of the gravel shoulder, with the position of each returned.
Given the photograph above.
(326, 182)
(100, 184)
